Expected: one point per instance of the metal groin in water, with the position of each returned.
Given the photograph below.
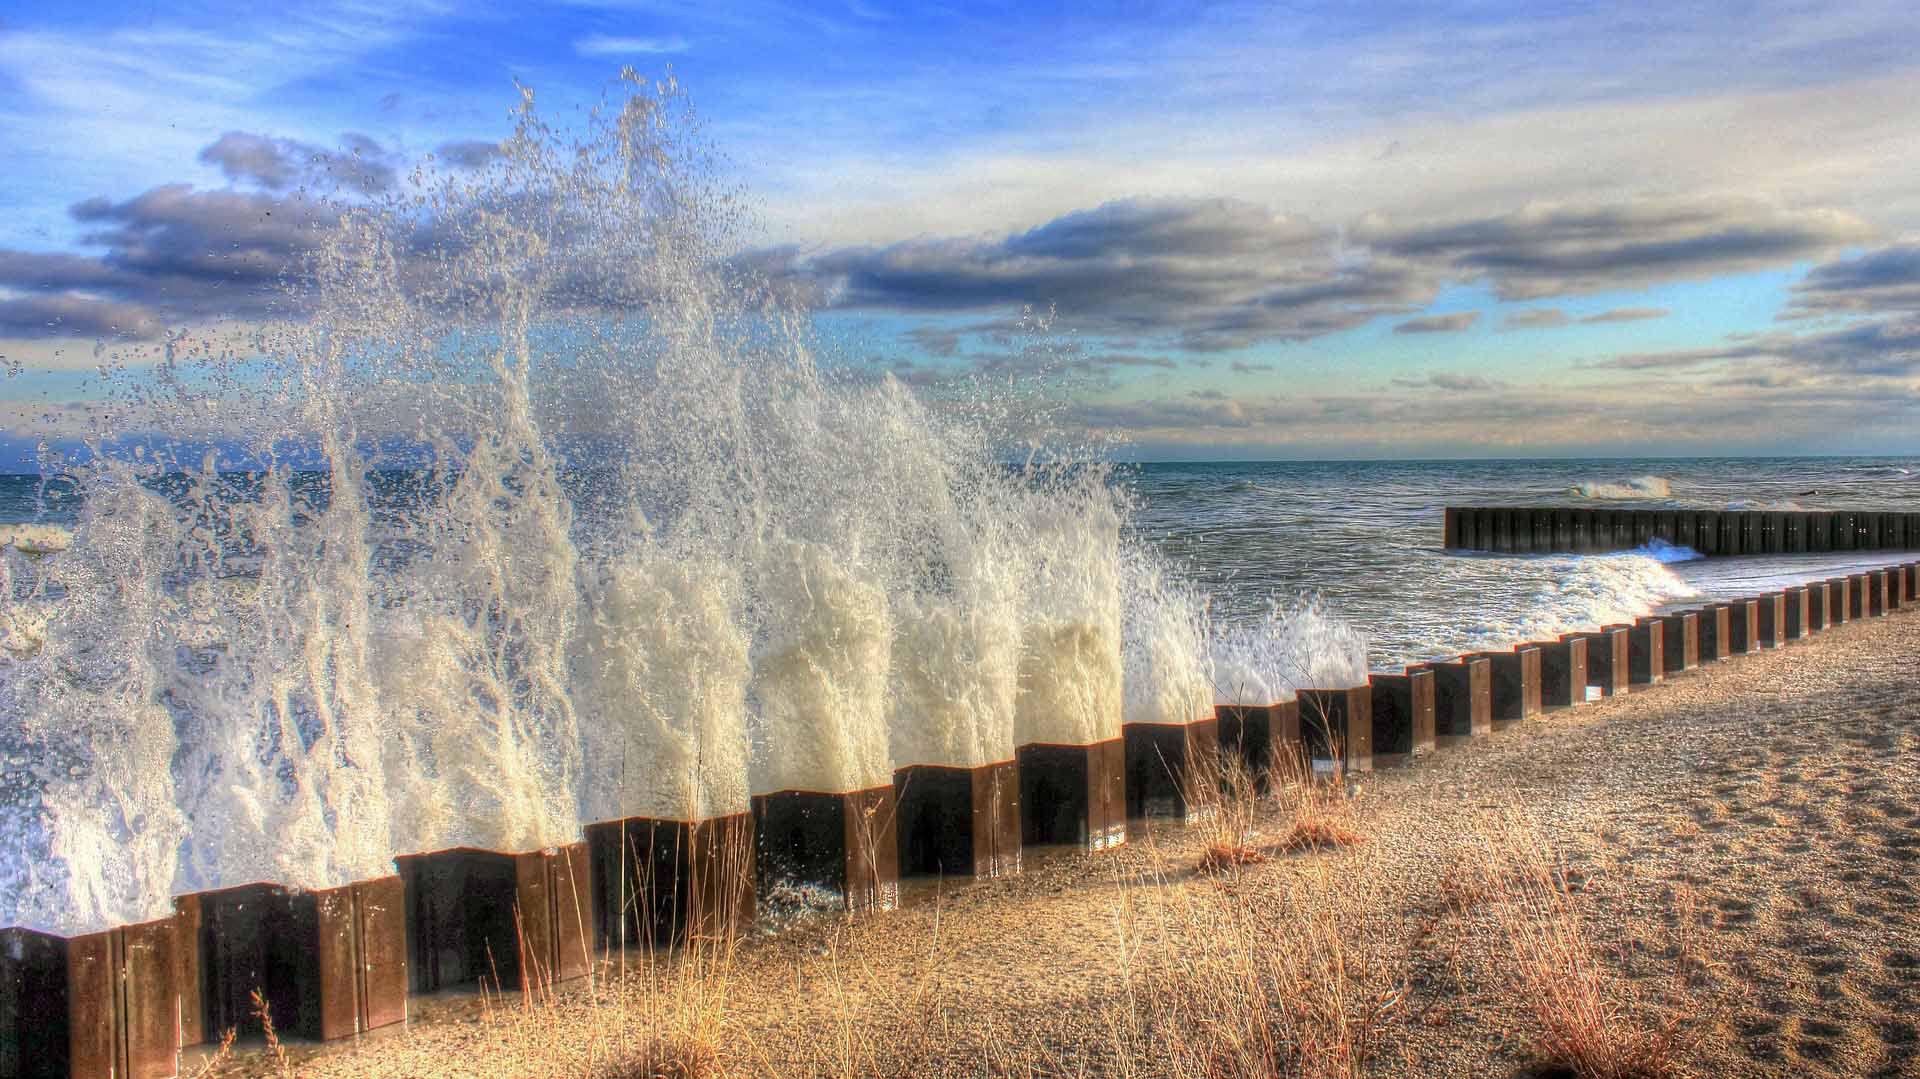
(845, 842)
(958, 822)
(1462, 697)
(514, 921)
(1073, 794)
(1714, 533)
(657, 882)
(1403, 713)
(335, 962)
(329, 963)
(1336, 725)
(1166, 763)
(101, 1004)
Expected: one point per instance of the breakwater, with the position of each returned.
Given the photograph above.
(1710, 533)
(336, 962)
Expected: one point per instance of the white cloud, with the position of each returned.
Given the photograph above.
(608, 45)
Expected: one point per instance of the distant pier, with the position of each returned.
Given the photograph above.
(1713, 533)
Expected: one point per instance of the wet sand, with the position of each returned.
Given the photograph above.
(1744, 844)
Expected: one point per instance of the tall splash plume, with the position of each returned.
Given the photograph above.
(548, 515)
(1167, 631)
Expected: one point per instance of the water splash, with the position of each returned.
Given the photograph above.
(541, 511)
(1298, 645)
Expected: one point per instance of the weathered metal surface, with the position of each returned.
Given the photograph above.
(1771, 611)
(1515, 682)
(1337, 724)
(1073, 794)
(844, 841)
(1609, 655)
(1403, 714)
(1646, 652)
(1167, 765)
(329, 963)
(658, 882)
(1680, 641)
(1258, 737)
(1716, 629)
(97, 1006)
(1799, 611)
(1563, 672)
(1521, 530)
(959, 822)
(1743, 628)
(1462, 696)
(511, 920)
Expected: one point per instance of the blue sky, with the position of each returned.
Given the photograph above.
(1266, 230)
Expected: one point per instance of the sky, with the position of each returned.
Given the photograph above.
(1263, 231)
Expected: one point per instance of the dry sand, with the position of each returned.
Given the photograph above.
(1742, 842)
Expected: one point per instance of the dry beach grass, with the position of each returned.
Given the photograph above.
(1717, 879)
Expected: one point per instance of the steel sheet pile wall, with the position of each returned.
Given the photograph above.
(1586, 530)
(342, 961)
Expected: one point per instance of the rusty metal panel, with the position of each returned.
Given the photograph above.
(187, 974)
(1716, 628)
(1563, 672)
(532, 921)
(149, 995)
(336, 969)
(380, 907)
(1646, 657)
(873, 850)
(1462, 696)
(1680, 641)
(1515, 679)
(846, 841)
(1342, 716)
(1609, 655)
(1403, 712)
(1798, 618)
(570, 913)
(92, 969)
(35, 1022)
(996, 820)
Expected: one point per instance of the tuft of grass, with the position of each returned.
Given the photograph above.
(1589, 1022)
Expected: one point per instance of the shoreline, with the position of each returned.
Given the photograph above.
(1765, 811)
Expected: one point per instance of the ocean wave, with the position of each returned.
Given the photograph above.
(1637, 487)
(1587, 593)
(1663, 552)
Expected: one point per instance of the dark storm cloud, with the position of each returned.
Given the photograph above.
(1454, 323)
(1627, 314)
(468, 154)
(1886, 281)
(169, 255)
(66, 315)
(361, 164)
(1557, 250)
(1539, 318)
(1889, 348)
(1203, 274)
(1441, 380)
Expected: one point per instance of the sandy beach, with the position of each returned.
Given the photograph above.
(1736, 850)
